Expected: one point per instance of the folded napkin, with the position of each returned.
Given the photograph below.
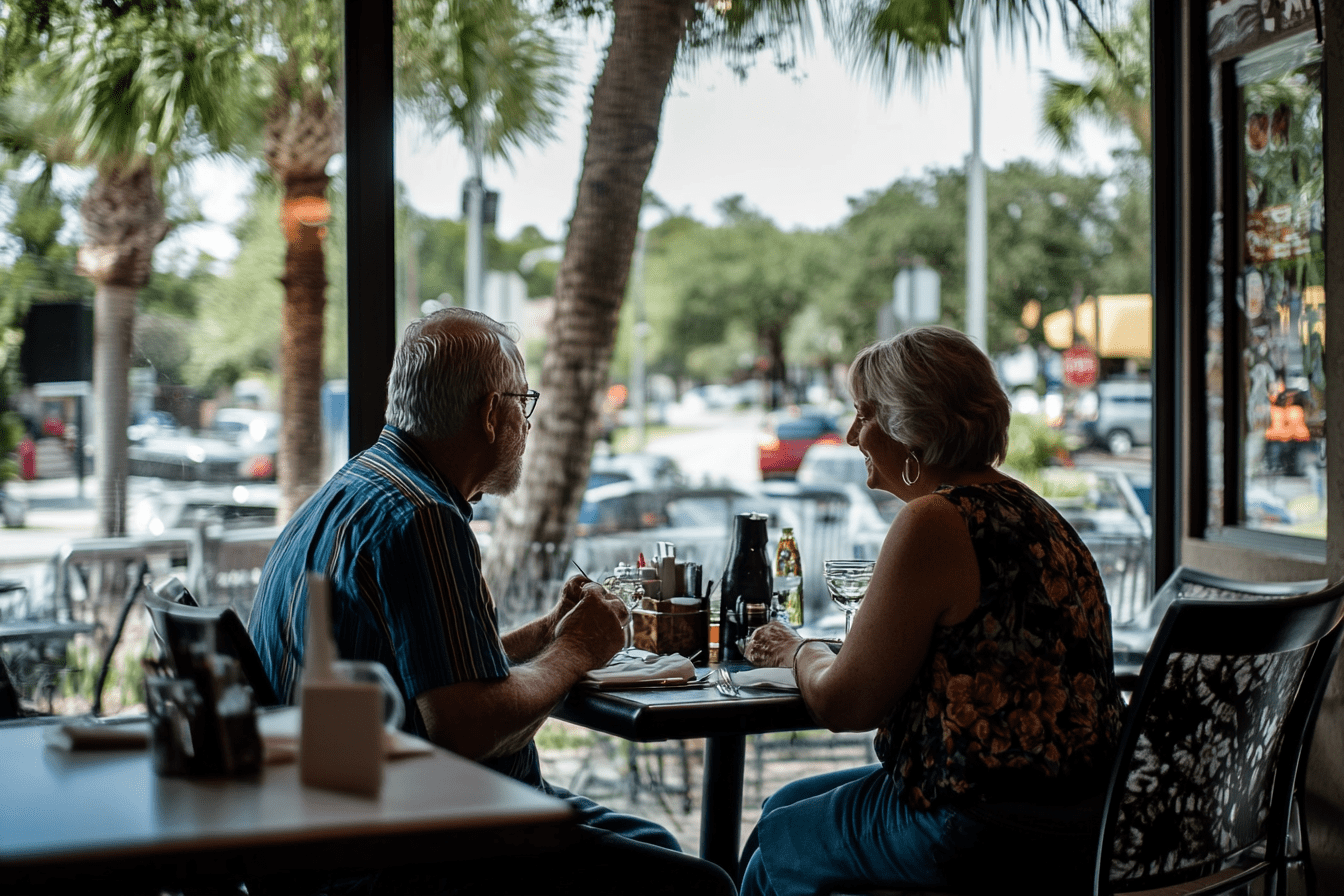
(279, 730)
(766, 677)
(642, 672)
(96, 735)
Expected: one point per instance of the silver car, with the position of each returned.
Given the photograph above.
(1118, 414)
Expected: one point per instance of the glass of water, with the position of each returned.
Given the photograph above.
(847, 580)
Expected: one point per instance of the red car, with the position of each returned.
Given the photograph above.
(788, 435)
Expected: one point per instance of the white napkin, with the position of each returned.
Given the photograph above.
(279, 729)
(624, 673)
(767, 677)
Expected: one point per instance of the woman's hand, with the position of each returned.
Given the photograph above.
(773, 644)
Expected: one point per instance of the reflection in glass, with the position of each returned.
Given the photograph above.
(1282, 293)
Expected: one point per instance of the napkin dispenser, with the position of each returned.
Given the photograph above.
(341, 722)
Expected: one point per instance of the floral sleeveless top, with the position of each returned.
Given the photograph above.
(1018, 701)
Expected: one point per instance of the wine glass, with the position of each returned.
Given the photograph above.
(624, 583)
(847, 580)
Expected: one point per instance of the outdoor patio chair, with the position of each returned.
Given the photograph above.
(1202, 793)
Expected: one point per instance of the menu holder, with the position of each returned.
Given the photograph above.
(678, 625)
(202, 713)
(203, 724)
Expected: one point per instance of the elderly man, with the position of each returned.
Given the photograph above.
(391, 531)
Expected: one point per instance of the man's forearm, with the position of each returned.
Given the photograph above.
(482, 720)
(529, 639)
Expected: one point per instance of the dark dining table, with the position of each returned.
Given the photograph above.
(678, 713)
(103, 820)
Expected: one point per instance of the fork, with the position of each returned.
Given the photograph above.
(727, 687)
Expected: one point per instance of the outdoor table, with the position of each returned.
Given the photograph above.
(42, 630)
(653, 714)
(69, 818)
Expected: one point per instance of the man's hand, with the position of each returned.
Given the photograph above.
(570, 595)
(596, 625)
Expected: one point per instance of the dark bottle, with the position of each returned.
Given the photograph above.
(747, 582)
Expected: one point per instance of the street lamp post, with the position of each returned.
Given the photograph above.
(975, 196)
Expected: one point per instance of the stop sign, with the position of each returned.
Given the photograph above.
(1080, 366)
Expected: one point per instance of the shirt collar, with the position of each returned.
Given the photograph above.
(400, 443)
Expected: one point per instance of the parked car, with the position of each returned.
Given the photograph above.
(196, 459)
(256, 432)
(150, 424)
(198, 506)
(641, 467)
(1112, 520)
(828, 464)
(788, 434)
(1097, 500)
(1117, 414)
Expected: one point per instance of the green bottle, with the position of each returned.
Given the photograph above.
(789, 576)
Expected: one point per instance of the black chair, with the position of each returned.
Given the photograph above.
(177, 620)
(1131, 639)
(1202, 795)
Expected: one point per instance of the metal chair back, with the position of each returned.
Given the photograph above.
(1208, 762)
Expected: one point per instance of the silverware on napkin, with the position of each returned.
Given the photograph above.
(727, 687)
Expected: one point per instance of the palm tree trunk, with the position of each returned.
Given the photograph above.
(299, 459)
(113, 331)
(624, 121)
(123, 220)
(303, 132)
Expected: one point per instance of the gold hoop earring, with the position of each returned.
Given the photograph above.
(905, 471)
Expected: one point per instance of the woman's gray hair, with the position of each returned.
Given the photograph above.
(447, 362)
(936, 393)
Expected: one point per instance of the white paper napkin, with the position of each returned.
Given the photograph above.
(671, 669)
(767, 677)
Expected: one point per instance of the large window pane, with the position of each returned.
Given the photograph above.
(236, 339)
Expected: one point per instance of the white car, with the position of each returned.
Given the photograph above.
(841, 465)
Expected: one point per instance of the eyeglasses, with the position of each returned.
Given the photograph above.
(529, 399)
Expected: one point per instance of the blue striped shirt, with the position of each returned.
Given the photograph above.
(394, 538)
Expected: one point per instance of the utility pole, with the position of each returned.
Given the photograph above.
(975, 196)
(474, 201)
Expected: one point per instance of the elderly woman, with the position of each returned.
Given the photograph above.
(981, 655)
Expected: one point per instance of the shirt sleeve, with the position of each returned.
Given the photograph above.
(425, 581)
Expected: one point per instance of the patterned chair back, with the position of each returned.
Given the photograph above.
(1216, 729)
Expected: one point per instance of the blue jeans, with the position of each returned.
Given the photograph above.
(848, 828)
(612, 854)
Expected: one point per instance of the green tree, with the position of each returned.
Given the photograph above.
(136, 87)
(488, 71)
(748, 274)
(1116, 93)
(302, 131)
(624, 120)
(239, 320)
(1048, 232)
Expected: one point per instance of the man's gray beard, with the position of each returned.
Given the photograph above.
(503, 480)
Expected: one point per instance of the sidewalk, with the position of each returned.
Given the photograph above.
(58, 510)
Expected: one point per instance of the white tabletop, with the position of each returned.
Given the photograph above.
(86, 807)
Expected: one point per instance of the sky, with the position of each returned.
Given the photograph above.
(798, 147)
